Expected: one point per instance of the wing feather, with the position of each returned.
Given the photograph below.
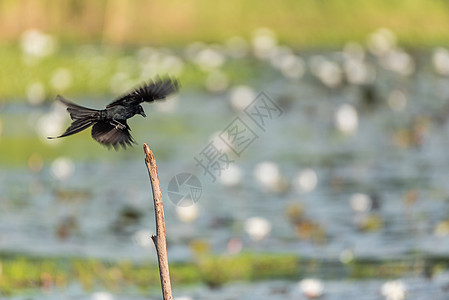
(157, 89)
(109, 135)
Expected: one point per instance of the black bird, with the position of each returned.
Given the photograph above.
(109, 125)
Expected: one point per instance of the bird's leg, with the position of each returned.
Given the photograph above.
(117, 124)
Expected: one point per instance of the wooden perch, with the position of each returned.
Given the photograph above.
(159, 239)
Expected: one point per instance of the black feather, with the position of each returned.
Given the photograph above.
(75, 127)
(76, 111)
(158, 89)
(107, 134)
(109, 125)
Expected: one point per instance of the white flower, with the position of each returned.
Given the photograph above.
(143, 238)
(382, 41)
(264, 43)
(346, 118)
(393, 290)
(306, 180)
(268, 175)
(102, 296)
(257, 228)
(62, 168)
(361, 202)
(241, 97)
(231, 176)
(440, 60)
(37, 44)
(311, 287)
(209, 58)
(187, 213)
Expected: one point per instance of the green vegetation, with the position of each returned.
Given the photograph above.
(97, 71)
(22, 273)
(118, 29)
(19, 273)
(30, 150)
(299, 23)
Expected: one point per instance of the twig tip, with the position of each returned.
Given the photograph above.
(147, 150)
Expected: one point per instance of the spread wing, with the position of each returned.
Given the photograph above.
(157, 89)
(111, 135)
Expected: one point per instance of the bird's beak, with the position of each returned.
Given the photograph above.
(143, 114)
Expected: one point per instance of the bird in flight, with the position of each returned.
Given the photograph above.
(109, 126)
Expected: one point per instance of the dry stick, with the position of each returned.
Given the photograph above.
(159, 239)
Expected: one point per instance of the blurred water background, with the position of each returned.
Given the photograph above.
(349, 165)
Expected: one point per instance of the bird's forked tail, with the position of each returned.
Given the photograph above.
(82, 117)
